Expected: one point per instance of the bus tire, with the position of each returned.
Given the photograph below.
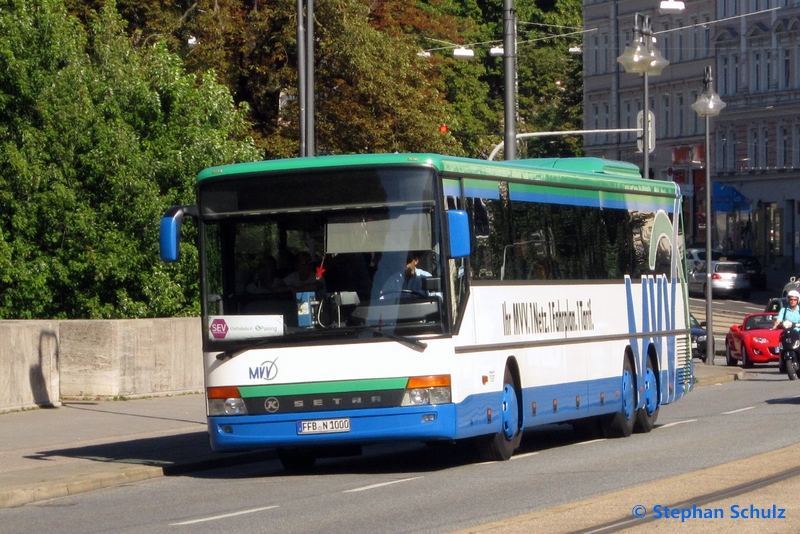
(620, 425)
(499, 447)
(296, 459)
(646, 415)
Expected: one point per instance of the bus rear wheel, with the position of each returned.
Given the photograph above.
(647, 414)
(499, 447)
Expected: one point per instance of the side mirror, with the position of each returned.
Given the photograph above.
(458, 226)
(169, 238)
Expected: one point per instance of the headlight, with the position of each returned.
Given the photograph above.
(427, 390)
(787, 324)
(232, 406)
(701, 339)
(225, 401)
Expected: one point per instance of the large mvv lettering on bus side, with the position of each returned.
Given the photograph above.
(658, 310)
(658, 304)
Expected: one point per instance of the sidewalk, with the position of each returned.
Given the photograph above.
(87, 445)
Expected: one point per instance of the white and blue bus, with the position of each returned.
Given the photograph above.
(543, 291)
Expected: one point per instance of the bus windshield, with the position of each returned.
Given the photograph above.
(326, 253)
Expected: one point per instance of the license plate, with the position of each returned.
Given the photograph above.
(323, 426)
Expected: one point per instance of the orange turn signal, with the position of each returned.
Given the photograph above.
(226, 392)
(437, 381)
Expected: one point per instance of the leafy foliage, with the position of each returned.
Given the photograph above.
(97, 139)
(109, 109)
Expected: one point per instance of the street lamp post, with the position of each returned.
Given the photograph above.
(708, 105)
(510, 79)
(643, 57)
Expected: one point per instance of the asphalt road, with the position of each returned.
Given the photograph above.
(555, 483)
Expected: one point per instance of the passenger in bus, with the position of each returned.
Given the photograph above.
(304, 278)
(264, 280)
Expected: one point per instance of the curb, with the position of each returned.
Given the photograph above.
(50, 490)
(718, 379)
(21, 495)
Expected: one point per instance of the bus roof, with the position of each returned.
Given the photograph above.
(618, 173)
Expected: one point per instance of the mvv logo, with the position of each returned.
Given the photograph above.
(266, 371)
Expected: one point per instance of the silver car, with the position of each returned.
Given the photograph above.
(728, 278)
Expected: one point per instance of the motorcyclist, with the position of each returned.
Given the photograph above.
(790, 312)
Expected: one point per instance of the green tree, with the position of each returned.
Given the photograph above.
(97, 138)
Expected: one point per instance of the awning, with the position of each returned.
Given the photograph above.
(728, 198)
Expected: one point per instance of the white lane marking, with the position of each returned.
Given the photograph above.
(371, 486)
(517, 457)
(677, 423)
(223, 516)
(739, 410)
(591, 441)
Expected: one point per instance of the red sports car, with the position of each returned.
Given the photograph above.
(753, 341)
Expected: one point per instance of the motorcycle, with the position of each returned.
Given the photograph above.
(790, 349)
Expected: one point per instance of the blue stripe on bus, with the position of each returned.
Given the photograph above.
(632, 203)
(452, 421)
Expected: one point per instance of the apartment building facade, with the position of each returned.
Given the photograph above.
(753, 49)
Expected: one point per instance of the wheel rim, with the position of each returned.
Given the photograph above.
(510, 412)
(628, 403)
(650, 394)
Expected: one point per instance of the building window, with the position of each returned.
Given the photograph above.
(787, 69)
(665, 122)
(628, 120)
(679, 117)
(724, 76)
(768, 71)
(723, 153)
(796, 146)
(695, 39)
(785, 147)
(753, 149)
(756, 72)
(679, 24)
(695, 117)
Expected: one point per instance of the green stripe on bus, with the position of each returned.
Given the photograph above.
(315, 388)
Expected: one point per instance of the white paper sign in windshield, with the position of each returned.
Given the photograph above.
(237, 327)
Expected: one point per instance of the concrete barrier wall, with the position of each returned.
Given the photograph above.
(42, 362)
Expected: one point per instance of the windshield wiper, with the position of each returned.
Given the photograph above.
(234, 353)
(409, 342)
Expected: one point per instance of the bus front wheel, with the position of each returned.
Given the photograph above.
(499, 447)
(620, 425)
